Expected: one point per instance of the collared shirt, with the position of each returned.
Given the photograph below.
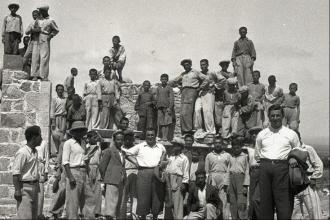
(118, 55)
(95, 159)
(240, 164)
(179, 165)
(69, 81)
(164, 96)
(73, 153)
(191, 79)
(217, 162)
(193, 169)
(257, 91)
(275, 145)
(58, 107)
(48, 27)
(43, 154)
(28, 31)
(274, 97)
(26, 164)
(314, 162)
(291, 101)
(112, 74)
(244, 46)
(146, 155)
(144, 101)
(109, 87)
(93, 88)
(12, 24)
(202, 197)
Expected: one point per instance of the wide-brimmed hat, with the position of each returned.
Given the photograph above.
(43, 7)
(78, 125)
(223, 62)
(13, 4)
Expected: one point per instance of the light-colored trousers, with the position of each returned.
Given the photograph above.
(41, 188)
(218, 111)
(92, 111)
(27, 208)
(244, 69)
(33, 45)
(40, 58)
(81, 196)
(60, 123)
(290, 118)
(229, 121)
(311, 199)
(114, 203)
(207, 212)
(205, 105)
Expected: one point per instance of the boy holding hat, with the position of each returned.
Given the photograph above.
(230, 112)
(78, 186)
(12, 30)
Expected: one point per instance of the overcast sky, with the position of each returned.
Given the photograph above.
(291, 39)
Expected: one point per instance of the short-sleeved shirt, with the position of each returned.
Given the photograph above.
(179, 165)
(147, 156)
(257, 91)
(291, 101)
(12, 24)
(73, 153)
(217, 162)
(26, 164)
(191, 79)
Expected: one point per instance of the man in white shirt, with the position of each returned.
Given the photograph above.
(273, 145)
(148, 155)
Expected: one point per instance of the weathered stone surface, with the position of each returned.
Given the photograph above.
(36, 86)
(12, 120)
(5, 105)
(15, 136)
(4, 135)
(4, 163)
(13, 62)
(13, 92)
(31, 118)
(8, 150)
(43, 119)
(4, 191)
(20, 75)
(46, 87)
(6, 177)
(7, 76)
(18, 105)
(26, 86)
(37, 101)
(8, 210)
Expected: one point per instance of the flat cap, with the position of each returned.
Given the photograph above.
(43, 7)
(186, 61)
(232, 81)
(223, 62)
(243, 89)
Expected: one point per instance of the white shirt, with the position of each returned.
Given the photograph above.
(146, 156)
(73, 153)
(202, 197)
(276, 145)
(179, 165)
(43, 154)
(26, 164)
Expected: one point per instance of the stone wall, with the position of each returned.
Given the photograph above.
(24, 103)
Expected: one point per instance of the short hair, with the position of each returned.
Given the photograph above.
(116, 37)
(26, 37)
(272, 77)
(164, 75)
(238, 140)
(105, 57)
(204, 60)
(293, 84)
(74, 69)
(92, 71)
(257, 71)
(241, 28)
(151, 129)
(200, 172)
(59, 85)
(31, 132)
(186, 61)
(71, 87)
(35, 11)
(146, 81)
(123, 119)
(218, 137)
(189, 136)
(76, 96)
(116, 134)
(275, 107)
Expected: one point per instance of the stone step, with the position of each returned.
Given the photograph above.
(7, 211)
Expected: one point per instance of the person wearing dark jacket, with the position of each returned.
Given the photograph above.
(112, 169)
(203, 200)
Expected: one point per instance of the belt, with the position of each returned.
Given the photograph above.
(78, 167)
(112, 93)
(292, 107)
(272, 161)
(30, 182)
(188, 87)
(145, 168)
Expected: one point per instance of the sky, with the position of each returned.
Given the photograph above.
(291, 39)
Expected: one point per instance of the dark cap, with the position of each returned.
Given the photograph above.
(186, 61)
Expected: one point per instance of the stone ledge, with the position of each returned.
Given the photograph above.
(6, 177)
(12, 62)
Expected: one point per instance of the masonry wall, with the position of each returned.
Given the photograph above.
(24, 103)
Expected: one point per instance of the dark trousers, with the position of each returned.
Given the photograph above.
(150, 193)
(12, 42)
(238, 201)
(254, 194)
(188, 99)
(275, 190)
(146, 121)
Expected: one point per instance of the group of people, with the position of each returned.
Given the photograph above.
(36, 50)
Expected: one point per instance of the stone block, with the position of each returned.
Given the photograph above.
(12, 120)
(8, 210)
(18, 105)
(19, 75)
(9, 150)
(36, 86)
(46, 87)
(7, 76)
(37, 101)
(4, 163)
(15, 136)
(13, 62)
(4, 135)
(26, 86)
(5, 105)
(4, 191)
(31, 118)
(13, 92)
(43, 119)
(6, 177)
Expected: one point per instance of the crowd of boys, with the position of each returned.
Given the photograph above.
(245, 173)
